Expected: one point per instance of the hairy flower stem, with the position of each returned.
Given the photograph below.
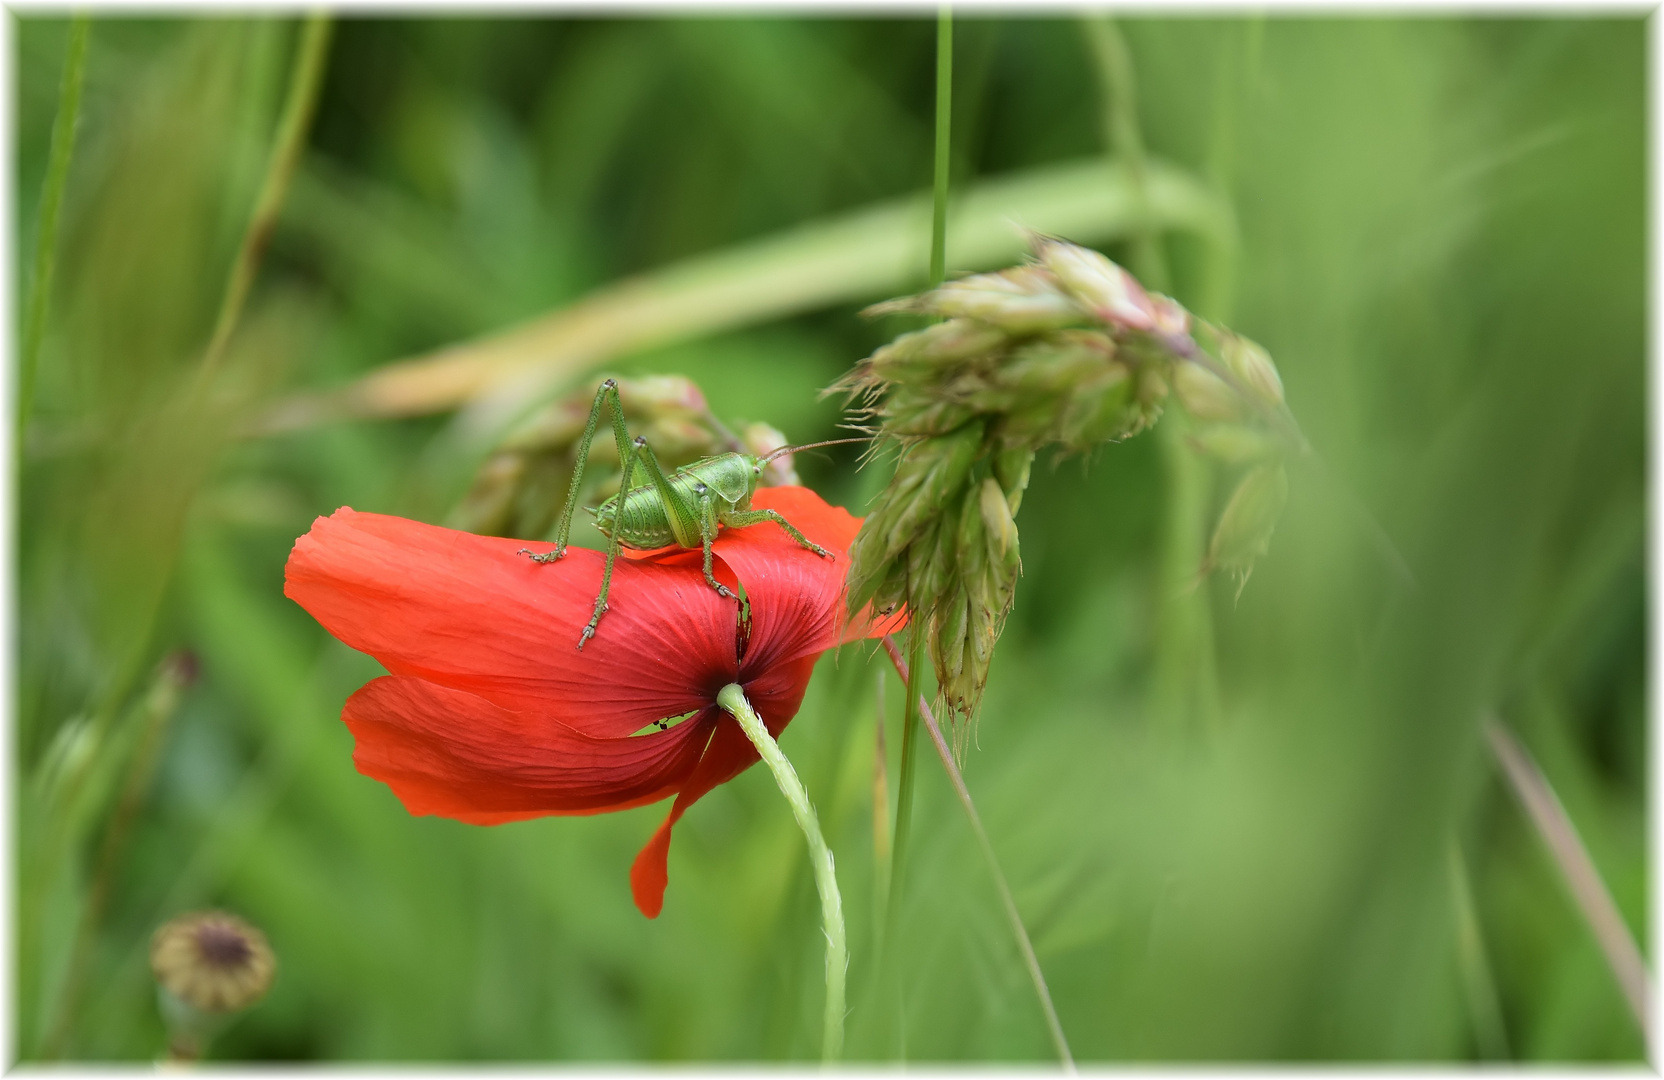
(917, 703)
(290, 140)
(732, 698)
(46, 237)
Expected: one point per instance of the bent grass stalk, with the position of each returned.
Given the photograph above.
(1054, 1027)
(1594, 900)
(290, 140)
(732, 698)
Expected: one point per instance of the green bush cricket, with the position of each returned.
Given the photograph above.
(686, 508)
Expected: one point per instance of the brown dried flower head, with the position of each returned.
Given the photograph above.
(212, 961)
(1070, 351)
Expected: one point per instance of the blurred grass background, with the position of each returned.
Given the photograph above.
(1229, 826)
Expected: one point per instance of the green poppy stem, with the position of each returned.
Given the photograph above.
(732, 698)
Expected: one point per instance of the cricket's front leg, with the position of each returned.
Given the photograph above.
(739, 519)
(708, 526)
(614, 542)
(600, 599)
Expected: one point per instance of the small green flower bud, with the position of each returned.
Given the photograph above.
(950, 635)
(938, 575)
(1235, 444)
(926, 575)
(1253, 366)
(889, 589)
(1205, 395)
(914, 355)
(996, 518)
(921, 418)
(1244, 532)
(973, 536)
(1097, 284)
(1170, 316)
(1021, 300)
(930, 473)
(1011, 469)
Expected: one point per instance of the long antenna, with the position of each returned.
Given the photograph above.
(772, 454)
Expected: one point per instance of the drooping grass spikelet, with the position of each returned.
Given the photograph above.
(1070, 351)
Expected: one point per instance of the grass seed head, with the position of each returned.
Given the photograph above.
(1068, 350)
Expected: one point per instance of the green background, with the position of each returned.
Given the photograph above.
(1228, 824)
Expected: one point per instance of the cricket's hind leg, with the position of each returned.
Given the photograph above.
(708, 526)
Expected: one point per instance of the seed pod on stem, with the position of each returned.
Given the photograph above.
(209, 966)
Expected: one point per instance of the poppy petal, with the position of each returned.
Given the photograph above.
(470, 613)
(729, 753)
(796, 596)
(457, 755)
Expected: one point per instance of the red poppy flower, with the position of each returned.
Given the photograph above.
(489, 714)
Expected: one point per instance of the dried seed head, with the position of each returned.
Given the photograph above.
(212, 961)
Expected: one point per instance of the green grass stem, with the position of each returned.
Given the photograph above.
(1490, 1033)
(46, 235)
(290, 139)
(1113, 63)
(944, 143)
(918, 707)
(1571, 857)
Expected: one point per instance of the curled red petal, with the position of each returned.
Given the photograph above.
(802, 609)
(468, 612)
(454, 754)
(775, 696)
